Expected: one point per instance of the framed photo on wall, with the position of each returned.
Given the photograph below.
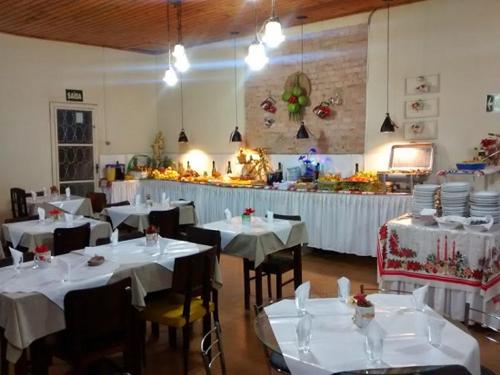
(417, 108)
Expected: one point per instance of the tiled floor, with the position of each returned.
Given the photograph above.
(243, 352)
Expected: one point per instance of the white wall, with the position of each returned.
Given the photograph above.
(457, 39)
(34, 73)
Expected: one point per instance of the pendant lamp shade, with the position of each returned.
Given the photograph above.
(183, 137)
(388, 125)
(302, 133)
(235, 135)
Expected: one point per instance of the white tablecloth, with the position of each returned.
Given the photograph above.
(73, 205)
(338, 345)
(341, 222)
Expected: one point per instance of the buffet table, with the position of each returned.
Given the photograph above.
(345, 223)
(459, 266)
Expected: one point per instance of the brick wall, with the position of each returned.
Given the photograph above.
(333, 60)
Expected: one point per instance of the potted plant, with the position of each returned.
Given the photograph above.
(42, 256)
(151, 235)
(246, 217)
(364, 311)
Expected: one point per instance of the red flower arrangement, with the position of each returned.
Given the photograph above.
(248, 211)
(488, 142)
(54, 189)
(40, 252)
(55, 212)
(151, 230)
(361, 300)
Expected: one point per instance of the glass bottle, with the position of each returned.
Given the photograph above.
(214, 170)
(229, 170)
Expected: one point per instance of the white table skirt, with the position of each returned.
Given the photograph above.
(346, 223)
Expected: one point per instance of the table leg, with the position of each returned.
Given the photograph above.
(297, 265)
(258, 286)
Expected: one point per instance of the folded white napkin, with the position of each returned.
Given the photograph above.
(302, 295)
(44, 191)
(17, 257)
(66, 269)
(344, 288)
(228, 215)
(41, 213)
(69, 218)
(270, 216)
(114, 237)
(137, 199)
(419, 296)
(33, 196)
(68, 192)
(164, 199)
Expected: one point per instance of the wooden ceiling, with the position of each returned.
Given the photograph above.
(140, 25)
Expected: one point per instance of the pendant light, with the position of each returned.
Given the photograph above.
(181, 60)
(273, 33)
(235, 135)
(170, 77)
(302, 133)
(182, 135)
(388, 126)
(256, 58)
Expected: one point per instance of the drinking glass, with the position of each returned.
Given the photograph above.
(435, 331)
(374, 347)
(303, 330)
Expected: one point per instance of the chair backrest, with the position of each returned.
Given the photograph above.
(412, 370)
(69, 239)
(19, 219)
(18, 202)
(214, 351)
(192, 277)
(288, 217)
(8, 261)
(489, 321)
(98, 201)
(167, 222)
(99, 316)
(204, 236)
(121, 237)
(118, 204)
(38, 194)
(102, 241)
(365, 290)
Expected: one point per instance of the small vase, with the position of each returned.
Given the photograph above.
(151, 239)
(363, 315)
(246, 219)
(42, 259)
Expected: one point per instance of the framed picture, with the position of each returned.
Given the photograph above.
(424, 84)
(420, 129)
(417, 108)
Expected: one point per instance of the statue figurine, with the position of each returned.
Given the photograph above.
(158, 146)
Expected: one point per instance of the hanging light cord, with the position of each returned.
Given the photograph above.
(179, 22)
(255, 16)
(302, 47)
(273, 3)
(168, 30)
(235, 81)
(388, 51)
(182, 103)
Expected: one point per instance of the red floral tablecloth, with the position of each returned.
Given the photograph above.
(451, 259)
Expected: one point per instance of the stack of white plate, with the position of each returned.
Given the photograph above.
(455, 198)
(484, 203)
(423, 197)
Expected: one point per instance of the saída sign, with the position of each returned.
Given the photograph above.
(74, 95)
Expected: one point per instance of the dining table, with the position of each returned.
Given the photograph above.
(33, 233)
(73, 204)
(337, 344)
(256, 239)
(137, 215)
(32, 299)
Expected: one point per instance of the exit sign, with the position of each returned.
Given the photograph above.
(493, 103)
(74, 95)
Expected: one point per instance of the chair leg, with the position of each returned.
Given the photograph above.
(3, 355)
(279, 286)
(172, 337)
(185, 347)
(215, 297)
(246, 283)
(155, 330)
(269, 288)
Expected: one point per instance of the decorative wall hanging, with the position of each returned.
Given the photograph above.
(420, 129)
(269, 104)
(269, 121)
(423, 84)
(296, 94)
(325, 108)
(416, 108)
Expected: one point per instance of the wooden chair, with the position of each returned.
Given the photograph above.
(118, 204)
(214, 351)
(412, 370)
(121, 237)
(99, 322)
(167, 222)
(487, 321)
(365, 290)
(210, 238)
(98, 201)
(276, 264)
(18, 202)
(275, 360)
(188, 301)
(70, 239)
